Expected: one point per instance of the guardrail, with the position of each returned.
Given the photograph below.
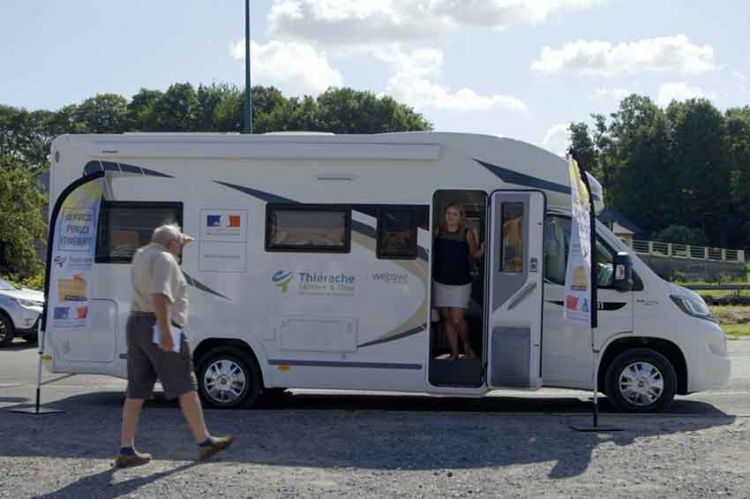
(719, 287)
(686, 251)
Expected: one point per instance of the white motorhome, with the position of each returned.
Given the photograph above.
(312, 268)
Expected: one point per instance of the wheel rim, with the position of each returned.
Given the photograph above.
(225, 381)
(641, 383)
(3, 331)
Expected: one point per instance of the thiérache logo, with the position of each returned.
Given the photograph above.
(314, 283)
(282, 278)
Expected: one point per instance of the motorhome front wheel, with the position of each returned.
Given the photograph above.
(641, 380)
(228, 377)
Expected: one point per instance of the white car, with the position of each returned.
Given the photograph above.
(20, 310)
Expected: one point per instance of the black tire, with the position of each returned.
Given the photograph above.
(7, 330)
(226, 393)
(637, 367)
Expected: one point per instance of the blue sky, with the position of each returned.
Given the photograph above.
(517, 68)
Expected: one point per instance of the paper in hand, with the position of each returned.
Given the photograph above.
(176, 337)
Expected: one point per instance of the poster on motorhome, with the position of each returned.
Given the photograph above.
(578, 286)
(73, 252)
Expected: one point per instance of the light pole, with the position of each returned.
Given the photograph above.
(248, 128)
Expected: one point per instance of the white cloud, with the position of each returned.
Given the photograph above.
(366, 21)
(595, 57)
(679, 91)
(292, 66)
(614, 93)
(557, 139)
(412, 82)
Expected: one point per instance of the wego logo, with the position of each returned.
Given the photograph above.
(281, 279)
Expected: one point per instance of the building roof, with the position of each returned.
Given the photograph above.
(610, 216)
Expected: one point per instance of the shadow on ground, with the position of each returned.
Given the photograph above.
(353, 431)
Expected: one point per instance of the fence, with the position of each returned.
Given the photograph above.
(686, 251)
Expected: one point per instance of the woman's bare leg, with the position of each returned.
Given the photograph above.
(450, 332)
(461, 326)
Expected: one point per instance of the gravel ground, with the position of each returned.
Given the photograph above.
(371, 453)
(308, 445)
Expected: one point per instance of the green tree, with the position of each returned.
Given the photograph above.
(104, 113)
(583, 149)
(641, 183)
(681, 235)
(344, 110)
(701, 178)
(141, 115)
(21, 204)
(176, 110)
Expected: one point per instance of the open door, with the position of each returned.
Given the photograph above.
(515, 285)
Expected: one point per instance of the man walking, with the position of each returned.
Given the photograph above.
(160, 301)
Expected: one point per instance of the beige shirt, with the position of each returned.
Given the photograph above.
(156, 271)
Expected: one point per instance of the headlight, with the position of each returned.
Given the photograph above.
(28, 303)
(693, 306)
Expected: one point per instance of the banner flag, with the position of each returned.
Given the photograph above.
(578, 286)
(72, 262)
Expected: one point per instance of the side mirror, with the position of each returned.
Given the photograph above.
(623, 272)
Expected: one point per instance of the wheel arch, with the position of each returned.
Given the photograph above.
(668, 349)
(7, 315)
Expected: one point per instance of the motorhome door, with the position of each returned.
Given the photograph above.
(515, 288)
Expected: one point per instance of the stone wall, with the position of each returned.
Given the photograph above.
(694, 270)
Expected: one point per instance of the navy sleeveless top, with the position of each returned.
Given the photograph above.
(450, 260)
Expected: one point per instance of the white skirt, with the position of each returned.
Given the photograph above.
(446, 295)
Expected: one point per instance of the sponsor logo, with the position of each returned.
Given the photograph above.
(315, 283)
(390, 277)
(232, 221)
(281, 279)
(571, 302)
(60, 260)
(60, 313)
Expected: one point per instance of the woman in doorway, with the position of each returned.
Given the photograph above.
(453, 248)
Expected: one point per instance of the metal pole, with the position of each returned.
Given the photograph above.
(248, 90)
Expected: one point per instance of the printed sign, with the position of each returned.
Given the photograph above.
(224, 225)
(578, 284)
(223, 241)
(304, 282)
(73, 251)
(223, 257)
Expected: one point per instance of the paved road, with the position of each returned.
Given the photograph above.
(512, 444)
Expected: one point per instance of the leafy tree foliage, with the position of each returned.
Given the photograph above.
(21, 205)
(686, 165)
(682, 235)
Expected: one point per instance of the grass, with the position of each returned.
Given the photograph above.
(734, 319)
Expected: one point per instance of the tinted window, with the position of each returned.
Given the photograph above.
(397, 233)
(512, 251)
(125, 226)
(308, 228)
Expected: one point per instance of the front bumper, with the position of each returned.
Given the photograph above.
(711, 366)
(26, 320)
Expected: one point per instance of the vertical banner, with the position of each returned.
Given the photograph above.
(578, 285)
(72, 260)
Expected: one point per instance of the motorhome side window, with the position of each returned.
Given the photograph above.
(557, 245)
(512, 251)
(125, 226)
(308, 228)
(397, 233)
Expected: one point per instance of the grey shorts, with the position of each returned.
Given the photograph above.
(147, 362)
